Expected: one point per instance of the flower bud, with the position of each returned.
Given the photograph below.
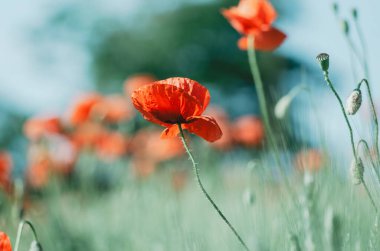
(345, 27)
(354, 13)
(35, 246)
(323, 59)
(335, 8)
(353, 102)
(357, 171)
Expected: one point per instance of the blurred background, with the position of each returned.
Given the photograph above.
(52, 52)
(57, 54)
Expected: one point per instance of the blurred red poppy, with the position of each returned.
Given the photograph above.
(5, 242)
(226, 141)
(87, 134)
(248, 131)
(113, 109)
(62, 154)
(255, 17)
(111, 145)
(177, 101)
(5, 171)
(81, 111)
(309, 160)
(148, 150)
(38, 170)
(134, 82)
(36, 128)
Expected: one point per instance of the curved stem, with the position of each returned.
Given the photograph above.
(369, 195)
(329, 83)
(196, 171)
(19, 232)
(366, 147)
(374, 117)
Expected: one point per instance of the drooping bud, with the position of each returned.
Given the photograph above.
(323, 59)
(345, 27)
(282, 106)
(35, 246)
(335, 8)
(354, 13)
(248, 197)
(354, 102)
(357, 171)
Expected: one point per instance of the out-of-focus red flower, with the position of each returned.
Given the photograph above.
(177, 101)
(226, 141)
(5, 170)
(147, 144)
(87, 134)
(38, 170)
(62, 153)
(36, 128)
(248, 131)
(81, 112)
(111, 145)
(134, 82)
(143, 167)
(5, 242)
(148, 150)
(112, 109)
(179, 179)
(309, 160)
(255, 18)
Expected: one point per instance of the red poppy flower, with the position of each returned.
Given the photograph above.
(177, 101)
(111, 145)
(36, 128)
(113, 109)
(134, 82)
(226, 141)
(5, 170)
(309, 160)
(255, 17)
(5, 242)
(248, 131)
(82, 110)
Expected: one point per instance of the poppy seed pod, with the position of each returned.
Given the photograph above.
(35, 246)
(353, 102)
(357, 171)
(323, 59)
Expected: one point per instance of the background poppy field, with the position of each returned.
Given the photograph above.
(80, 162)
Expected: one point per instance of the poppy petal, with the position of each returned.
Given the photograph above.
(5, 243)
(251, 16)
(170, 132)
(191, 87)
(165, 104)
(205, 127)
(265, 41)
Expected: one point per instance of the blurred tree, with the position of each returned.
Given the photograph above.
(193, 41)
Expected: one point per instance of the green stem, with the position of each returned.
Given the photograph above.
(363, 142)
(264, 110)
(259, 87)
(369, 195)
(374, 117)
(19, 232)
(329, 83)
(196, 171)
